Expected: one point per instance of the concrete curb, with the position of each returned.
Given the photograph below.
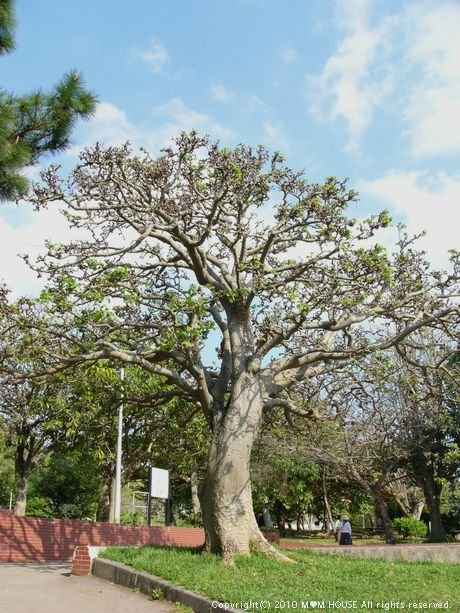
(449, 554)
(145, 583)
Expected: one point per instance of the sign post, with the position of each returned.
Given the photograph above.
(158, 487)
(149, 499)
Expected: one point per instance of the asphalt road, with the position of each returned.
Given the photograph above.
(50, 588)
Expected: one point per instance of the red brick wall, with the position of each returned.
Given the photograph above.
(26, 539)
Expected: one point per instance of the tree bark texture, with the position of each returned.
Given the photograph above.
(196, 505)
(417, 510)
(112, 500)
(385, 516)
(22, 488)
(328, 520)
(228, 516)
(24, 464)
(268, 523)
(411, 501)
(432, 493)
(103, 506)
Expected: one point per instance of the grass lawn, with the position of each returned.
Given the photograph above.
(261, 583)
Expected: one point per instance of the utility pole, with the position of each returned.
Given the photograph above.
(119, 450)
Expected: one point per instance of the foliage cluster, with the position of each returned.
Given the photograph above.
(36, 123)
(306, 309)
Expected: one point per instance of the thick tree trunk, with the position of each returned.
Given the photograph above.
(112, 501)
(196, 506)
(228, 515)
(268, 523)
(410, 500)
(417, 510)
(280, 519)
(328, 519)
(103, 506)
(386, 520)
(24, 464)
(22, 488)
(432, 493)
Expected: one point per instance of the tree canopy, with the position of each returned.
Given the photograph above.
(207, 243)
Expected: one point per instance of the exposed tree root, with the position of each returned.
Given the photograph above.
(261, 544)
(257, 543)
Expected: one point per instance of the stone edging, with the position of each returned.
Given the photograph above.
(145, 583)
(395, 553)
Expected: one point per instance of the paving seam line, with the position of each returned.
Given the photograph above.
(118, 573)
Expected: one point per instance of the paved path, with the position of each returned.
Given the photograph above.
(50, 588)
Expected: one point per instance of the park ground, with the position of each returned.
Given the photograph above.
(315, 578)
(50, 588)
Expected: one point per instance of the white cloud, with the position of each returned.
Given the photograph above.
(413, 55)
(423, 203)
(178, 117)
(155, 56)
(221, 93)
(356, 78)
(433, 59)
(111, 126)
(255, 104)
(29, 238)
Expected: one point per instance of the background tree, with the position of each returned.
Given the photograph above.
(36, 417)
(36, 123)
(181, 243)
(158, 429)
(6, 469)
(296, 483)
(180, 444)
(430, 419)
(65, 486)
(362, 437)
(409, 497)
(400, 426)
(284, 478)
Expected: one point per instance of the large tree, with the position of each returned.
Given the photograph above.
(205, 242)
(36, 123)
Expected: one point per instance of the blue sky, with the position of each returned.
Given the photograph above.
(367, 89)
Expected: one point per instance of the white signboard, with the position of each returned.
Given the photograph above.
(159, 484)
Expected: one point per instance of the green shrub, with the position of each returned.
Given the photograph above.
(40, 506)
(409, 527)
(69, 511)
(137, 518)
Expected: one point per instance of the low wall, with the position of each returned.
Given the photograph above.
(448, 552)
(27, 539)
